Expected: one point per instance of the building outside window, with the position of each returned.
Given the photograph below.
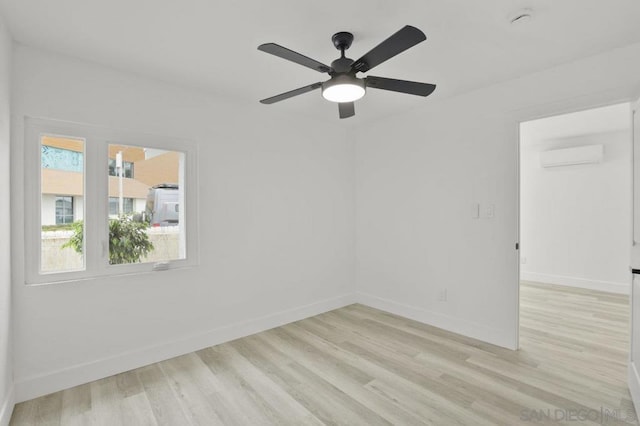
(61, 180)
(62, 174)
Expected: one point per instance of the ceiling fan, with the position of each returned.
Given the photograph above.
(344, 87)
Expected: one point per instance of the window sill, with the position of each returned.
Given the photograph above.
(44, 281)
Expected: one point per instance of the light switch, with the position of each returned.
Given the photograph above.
(490, 210)
(475, 211)
(442, 295)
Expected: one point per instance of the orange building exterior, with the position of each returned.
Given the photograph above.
(63, 192)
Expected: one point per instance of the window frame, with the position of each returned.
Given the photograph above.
(96, 199)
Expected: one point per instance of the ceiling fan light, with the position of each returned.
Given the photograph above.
(343, 89)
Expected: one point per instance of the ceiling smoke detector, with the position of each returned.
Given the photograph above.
(521, 16)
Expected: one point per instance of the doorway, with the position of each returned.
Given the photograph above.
(575, 198)
(575, 232)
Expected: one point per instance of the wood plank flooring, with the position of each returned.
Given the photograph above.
(361, 366)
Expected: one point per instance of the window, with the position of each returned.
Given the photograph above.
(114, 206)
(127, 168)
(87, 219)
(64, 210)
(61, 191)
(155, 197)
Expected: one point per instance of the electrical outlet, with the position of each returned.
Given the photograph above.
(523, 260)
(442, 295)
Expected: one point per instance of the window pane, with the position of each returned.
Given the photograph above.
(114, 206)
(62, 207)
(128, 169)
(128, 205)
(64, 210)
(112, 167)
(151, 203)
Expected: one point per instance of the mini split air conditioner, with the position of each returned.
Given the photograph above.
(589, 154)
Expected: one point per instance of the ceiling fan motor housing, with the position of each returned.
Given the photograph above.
(342, 40)
(342, 65)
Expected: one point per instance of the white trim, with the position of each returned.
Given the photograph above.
(634, 387)
(608, 286)
(6, 410)
(516, 332)
(36, 386)
(466, 328)
(633, 381)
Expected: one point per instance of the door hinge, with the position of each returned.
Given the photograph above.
(517, 246)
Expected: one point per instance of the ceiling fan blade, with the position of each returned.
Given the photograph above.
(290, 55)
(291, 94)
(399, 42)
(403, 86)
(346, 109)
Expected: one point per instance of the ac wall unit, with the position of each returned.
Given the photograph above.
(589, 154)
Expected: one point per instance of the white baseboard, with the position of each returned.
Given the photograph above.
(505, 339)
(33, 387)
(608, 286)
(6, 409)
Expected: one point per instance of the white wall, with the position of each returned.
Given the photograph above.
(276, 227)
(576, 220)
(419, 174)
(6, 349)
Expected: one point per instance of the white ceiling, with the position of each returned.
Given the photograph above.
(607, 119)
(211, 45)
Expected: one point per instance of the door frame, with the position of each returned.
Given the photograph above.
(633, 378)
(552, 109)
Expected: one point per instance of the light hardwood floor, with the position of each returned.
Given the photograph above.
(361, 366)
